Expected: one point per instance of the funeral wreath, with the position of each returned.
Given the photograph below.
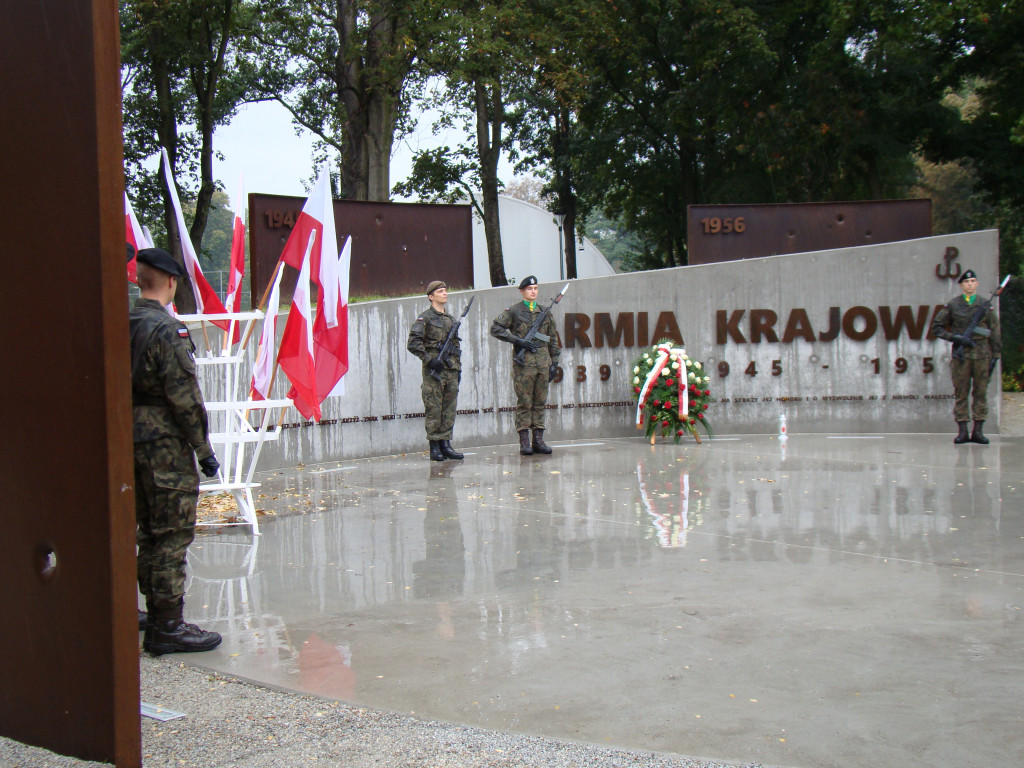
(671, 392)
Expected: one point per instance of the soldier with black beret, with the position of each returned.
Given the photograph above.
(170, 431)
(972, 373)
(440, 398)
(530, 380)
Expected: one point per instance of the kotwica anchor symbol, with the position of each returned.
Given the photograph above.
(951, 256)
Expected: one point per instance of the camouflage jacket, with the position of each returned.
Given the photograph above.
(427, 335)
(956, 316)
(515, 323)
(166, 400)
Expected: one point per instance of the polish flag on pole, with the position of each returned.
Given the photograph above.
(331, 274)
(318, 216)
(332, 343)
(263, 371)
(296, 353)
(233, 300)
(207, 302)
(135, 236)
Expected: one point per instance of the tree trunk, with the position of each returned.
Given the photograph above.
(348, 69)
(565, 192)
(167, 135)
(489, 118)
(379, 139)
(368, 89)
(205, 82)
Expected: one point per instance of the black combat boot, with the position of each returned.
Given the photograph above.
(539, 446)
(525, 449)
(977, 436)
(448, 451)
(435, 451)
(170, 634)
(142, 620)
(963, 437)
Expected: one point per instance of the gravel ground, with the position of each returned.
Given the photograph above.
(233, 724)
(230, 723)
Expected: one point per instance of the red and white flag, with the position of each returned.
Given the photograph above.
(334, 341)
(236, 271)
(135, 236)
(207, 302)
(263, 370)
(296, 353)
(317, 215)
(330, 272)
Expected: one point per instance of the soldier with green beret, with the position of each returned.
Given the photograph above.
(440, 397)
(530, 380)
(170, 431)
(971, 374)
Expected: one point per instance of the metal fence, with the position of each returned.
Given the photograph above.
(217, 278)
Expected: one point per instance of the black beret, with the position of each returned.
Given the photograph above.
(527, 282)
(967, 276)
(160, 259)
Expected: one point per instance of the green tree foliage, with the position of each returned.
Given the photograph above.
(992, 135)
(622, 248)
(342, 69)
(660, 120)
(485, 63)
(725, 101)
(183, 75)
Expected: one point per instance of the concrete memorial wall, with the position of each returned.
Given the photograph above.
(837, 340)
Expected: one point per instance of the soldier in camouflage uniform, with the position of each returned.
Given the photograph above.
(170, 431)
(981, 349)
(440, 398)
(530, 380)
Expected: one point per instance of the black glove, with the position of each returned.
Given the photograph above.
(552, 372)
(435, 365)
(529, 346)
(958, 338)
(209, 465)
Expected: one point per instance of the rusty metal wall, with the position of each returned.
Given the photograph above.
(718, 233)
(397, 248)
(69, 673)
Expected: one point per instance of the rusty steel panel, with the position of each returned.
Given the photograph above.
(69, 654)
(397, 248)
(731, 232)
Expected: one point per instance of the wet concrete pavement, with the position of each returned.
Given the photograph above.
(837, 600)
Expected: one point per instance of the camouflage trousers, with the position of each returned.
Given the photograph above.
(970, 377)
(440, 399)
(166, 494)
(531, 387)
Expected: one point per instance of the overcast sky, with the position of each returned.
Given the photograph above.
(261, 144)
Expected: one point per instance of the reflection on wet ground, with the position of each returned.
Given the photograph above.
(833, 601)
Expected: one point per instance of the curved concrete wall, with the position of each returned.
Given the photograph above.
(529, 241)
(835, 339)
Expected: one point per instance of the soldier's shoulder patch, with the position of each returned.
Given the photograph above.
(419, 319)
(183, 333)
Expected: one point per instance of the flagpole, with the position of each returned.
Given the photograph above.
(270, 388)
(206, 337)
(228, 335)
(263, 301)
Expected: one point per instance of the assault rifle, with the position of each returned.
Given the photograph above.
(959, 348)
(449, 342)
(534, 335)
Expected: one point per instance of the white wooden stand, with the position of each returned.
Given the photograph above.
(236, 440)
